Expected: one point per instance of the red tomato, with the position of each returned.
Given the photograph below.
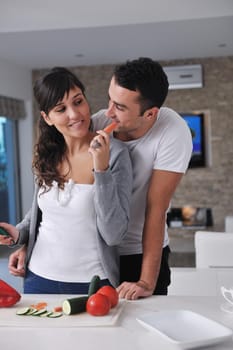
(98, 305)
(111, 293)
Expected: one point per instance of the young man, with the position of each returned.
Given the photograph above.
(160, 145)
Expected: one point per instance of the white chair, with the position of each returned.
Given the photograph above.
(229, 224)
(188, 281)
(213, 249)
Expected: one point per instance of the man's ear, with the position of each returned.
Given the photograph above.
(151, 113)
(46, 118)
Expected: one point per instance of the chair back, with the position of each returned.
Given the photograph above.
(213, 249)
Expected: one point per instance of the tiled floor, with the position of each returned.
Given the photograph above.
(15, 282)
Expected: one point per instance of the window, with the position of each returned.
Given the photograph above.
(9, 172)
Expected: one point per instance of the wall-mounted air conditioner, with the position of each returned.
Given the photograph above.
(184, 77)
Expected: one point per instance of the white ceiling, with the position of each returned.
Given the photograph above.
(41, 34)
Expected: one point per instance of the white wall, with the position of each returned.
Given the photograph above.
(16, 82)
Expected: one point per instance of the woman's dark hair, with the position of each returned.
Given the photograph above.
(50, 148)
(145, 76)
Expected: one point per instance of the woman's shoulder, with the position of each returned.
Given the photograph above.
(117, 144)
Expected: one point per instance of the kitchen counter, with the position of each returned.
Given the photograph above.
(119, 330)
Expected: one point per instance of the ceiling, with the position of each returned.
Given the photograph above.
(41, 35)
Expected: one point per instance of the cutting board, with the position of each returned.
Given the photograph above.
(9, 318)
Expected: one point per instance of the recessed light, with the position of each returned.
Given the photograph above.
(222, 45)
(79, 55)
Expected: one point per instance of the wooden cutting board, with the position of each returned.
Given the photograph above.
(9, 318)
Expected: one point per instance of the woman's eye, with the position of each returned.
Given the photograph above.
(78, 102)
(60, 110)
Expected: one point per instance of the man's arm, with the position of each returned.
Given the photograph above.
(161, 188)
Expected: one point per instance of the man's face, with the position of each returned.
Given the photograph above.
(124, 108)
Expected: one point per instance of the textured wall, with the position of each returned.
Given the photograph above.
(211, 187)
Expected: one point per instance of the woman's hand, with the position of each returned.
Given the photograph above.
(17, 262)
(12, 234)
(100, 150)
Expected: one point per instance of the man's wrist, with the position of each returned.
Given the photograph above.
(145, 285)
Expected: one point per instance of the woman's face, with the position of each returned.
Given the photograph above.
(71, 115)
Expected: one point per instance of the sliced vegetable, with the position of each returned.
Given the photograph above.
(40, 305)
(57, 309)
(39, 312)
(3, 232)
(74, 305)
(31, 311)
(55, 314)
(94, 285)
(109, 128)
(8, 295)
(23, 311)
(46, 314)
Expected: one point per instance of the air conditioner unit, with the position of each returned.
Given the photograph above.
(184, 77)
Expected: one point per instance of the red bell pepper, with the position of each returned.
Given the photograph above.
(8, 295)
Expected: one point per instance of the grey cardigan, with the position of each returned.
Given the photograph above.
(112, 202)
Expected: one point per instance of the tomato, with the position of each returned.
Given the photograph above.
(111, 293)
(98, 305)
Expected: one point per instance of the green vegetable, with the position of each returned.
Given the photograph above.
(94, 285)
(55, 314)
(23, 311)
(40, 312)
(3, 232)
(74, 305)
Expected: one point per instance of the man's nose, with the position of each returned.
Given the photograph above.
(111, 110)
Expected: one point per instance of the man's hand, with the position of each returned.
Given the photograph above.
(134, 290)
(17, 262)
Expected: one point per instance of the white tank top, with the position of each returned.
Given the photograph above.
(66, 245)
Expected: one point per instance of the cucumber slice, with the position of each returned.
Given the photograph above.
(74, 305)
(55, 314)
(23, 311)
(47, 313)
(39, 312)
(31, 311)
(94, 285)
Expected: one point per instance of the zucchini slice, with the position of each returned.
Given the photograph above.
(31, 311)
(46, 314)
(23, 311)
(55, 314)
(39, 312)
(74, 305)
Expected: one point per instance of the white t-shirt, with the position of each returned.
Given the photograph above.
(166, 146)
(66, 245)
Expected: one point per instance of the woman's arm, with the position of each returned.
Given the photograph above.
(112, 195)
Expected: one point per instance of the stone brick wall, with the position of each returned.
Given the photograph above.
(202, 187)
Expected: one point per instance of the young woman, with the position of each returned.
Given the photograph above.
(80, 210)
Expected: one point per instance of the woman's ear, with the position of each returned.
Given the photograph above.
(46, 118)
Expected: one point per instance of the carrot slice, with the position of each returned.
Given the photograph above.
(109, 128)
(57, 309)
(39, 306)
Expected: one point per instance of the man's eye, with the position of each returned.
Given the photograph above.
(119, 108)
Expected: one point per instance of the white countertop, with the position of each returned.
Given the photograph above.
(123, 332)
